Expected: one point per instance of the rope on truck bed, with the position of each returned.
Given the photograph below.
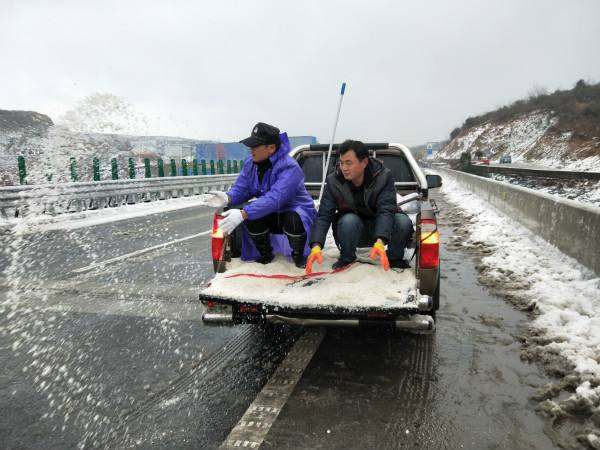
(281, 276)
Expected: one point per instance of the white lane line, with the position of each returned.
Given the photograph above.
(256, 422)
(136, 253)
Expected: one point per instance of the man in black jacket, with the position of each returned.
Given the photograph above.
(359, 200)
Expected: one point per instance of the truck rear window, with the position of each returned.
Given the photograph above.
(312, 165)
(399, 167)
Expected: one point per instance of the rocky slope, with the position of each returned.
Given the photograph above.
(559, 130)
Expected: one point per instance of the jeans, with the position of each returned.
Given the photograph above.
(351, 231)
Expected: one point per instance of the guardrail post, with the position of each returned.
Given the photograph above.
(235, 166)
(114, 169)
(195, 167)
(73, 169)
(203, 164)
(96, 169)
(147, 172)
(220, 166)
(241, 164)
(173, 168)
(131, 168)
(228, 166)
(161, 168)
(184, 168)
(212, 167)
(22, 170)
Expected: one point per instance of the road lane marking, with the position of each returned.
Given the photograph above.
(256, 422)
(138, 252)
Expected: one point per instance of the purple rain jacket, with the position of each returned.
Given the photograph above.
(282, 189)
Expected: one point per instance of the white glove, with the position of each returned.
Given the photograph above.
(411, 207)
(408, 203)
(218, 200)
(233, 218)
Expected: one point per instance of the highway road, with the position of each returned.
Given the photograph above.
(102, 346)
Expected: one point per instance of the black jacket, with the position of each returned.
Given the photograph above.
(380, 200)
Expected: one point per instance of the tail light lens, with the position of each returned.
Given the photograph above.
(248, 309)
(218, 238)
(429, 257)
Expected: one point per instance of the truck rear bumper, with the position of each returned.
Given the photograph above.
(416, 322)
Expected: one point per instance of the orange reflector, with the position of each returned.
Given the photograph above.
(218, 238)
(216, 230)
(429, 257)
(431, 238)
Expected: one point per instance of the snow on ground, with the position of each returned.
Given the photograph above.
(581, 191)
(71, 221)
(566, 294)
(517, 136)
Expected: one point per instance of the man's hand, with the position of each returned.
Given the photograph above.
(217, 200)
(378, 251)
(315, 255)
(233, 218)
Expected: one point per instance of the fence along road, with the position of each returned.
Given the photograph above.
(17, 201)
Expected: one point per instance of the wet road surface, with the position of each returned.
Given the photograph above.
(117, 357)
(464, 387)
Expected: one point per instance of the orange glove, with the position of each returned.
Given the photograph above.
(378, 251)
(315, 254)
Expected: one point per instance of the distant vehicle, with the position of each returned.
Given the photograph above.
(505, 159)
(480, 162)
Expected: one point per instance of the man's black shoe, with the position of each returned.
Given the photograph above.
(266, 259)
(340, 264)
(262, 242)
(299, 261)
(399, 264)
(297, 243)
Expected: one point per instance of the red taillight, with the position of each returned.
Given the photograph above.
(429, 256)
(248, 309)
(218, 239)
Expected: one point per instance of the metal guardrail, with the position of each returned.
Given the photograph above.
(538, 173)
(17, 201)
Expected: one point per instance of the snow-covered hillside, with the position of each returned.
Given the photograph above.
(530, 138)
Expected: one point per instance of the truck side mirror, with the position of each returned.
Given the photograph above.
(433, 181)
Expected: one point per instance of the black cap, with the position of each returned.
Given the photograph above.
(262, 134)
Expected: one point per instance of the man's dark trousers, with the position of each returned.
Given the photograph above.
(350, 232)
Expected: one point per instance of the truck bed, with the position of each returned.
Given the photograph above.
(360, 287)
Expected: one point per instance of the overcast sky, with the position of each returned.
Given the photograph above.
(211, 69)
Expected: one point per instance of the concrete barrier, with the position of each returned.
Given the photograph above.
(571, 226)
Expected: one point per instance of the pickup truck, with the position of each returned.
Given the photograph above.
(363, 294)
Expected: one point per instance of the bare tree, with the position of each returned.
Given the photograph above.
(536, 91)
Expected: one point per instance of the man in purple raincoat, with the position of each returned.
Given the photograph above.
(282, 213)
